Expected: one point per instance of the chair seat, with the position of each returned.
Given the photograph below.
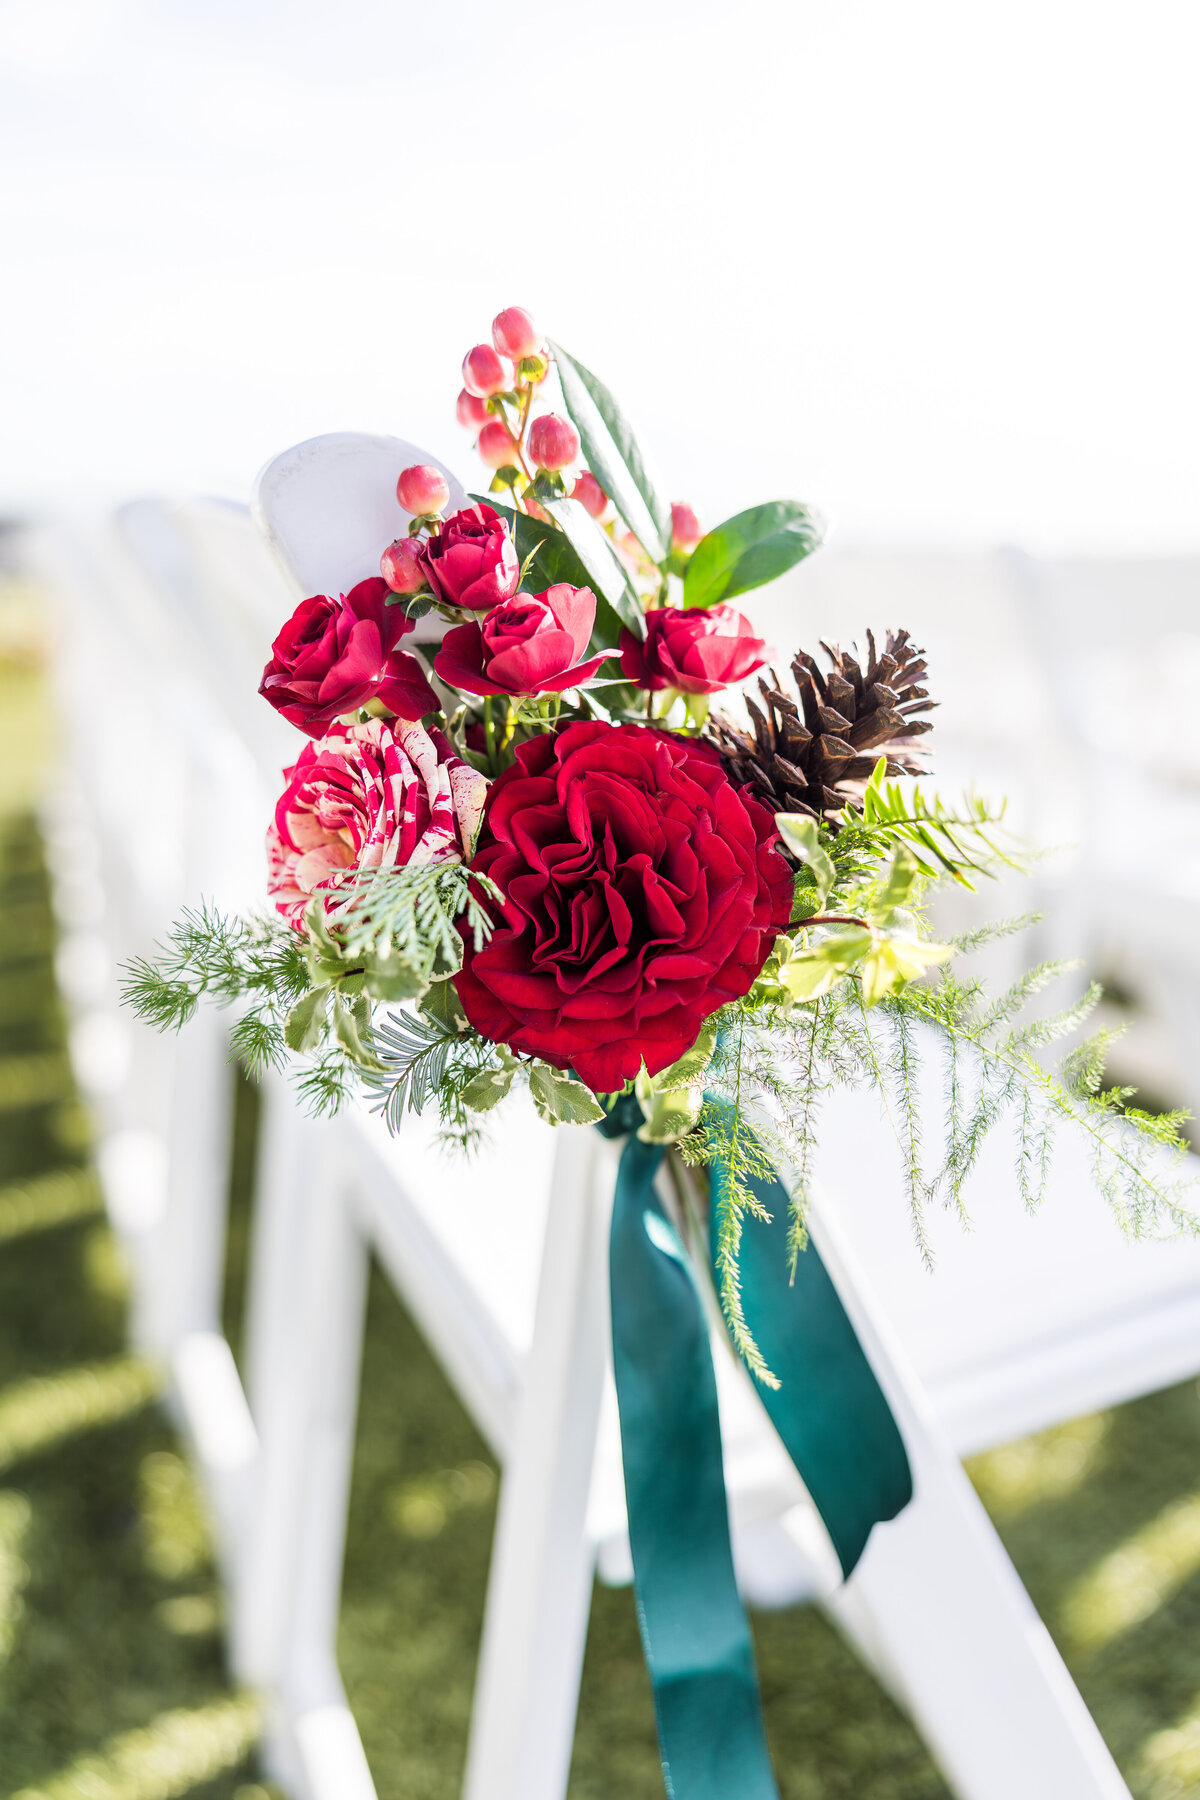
(1025, 1319)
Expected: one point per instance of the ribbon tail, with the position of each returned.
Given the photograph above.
(694, 1628)
(829, 1409)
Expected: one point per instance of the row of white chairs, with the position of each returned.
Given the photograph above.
(170, 780)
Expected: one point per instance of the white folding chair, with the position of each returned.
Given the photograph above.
(158, 794)
(536, 1617)
(528, 1371)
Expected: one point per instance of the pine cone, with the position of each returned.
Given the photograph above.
(814, 755)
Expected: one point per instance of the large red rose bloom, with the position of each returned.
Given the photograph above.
(642, 891)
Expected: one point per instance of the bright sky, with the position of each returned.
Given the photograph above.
(931, 266)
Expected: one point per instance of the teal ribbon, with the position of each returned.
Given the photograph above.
(829, 1412)
(829, 1409)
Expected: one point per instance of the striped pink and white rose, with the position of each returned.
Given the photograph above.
(367, 797)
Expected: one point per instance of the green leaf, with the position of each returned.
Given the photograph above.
(443, 1005)
(488, 1088)
(895, 961)
(546, 553)
(346, 1023)
(815, 970)
(803, 839)
(324, 957)
(672, 1099)
(693, 1064)
(304, 1026)
(560, 1100)
(606, 572)
(392, 978)
(748, 550)
(670, 1115)
(613, 455)
(415, 605)
(902, 872)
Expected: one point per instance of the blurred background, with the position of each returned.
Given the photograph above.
(932, 269)
(929, 268)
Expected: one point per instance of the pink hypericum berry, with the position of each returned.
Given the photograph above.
(515, 334)
(472, 411)
(686, 529)
(484, 374)
(496, 445)
(590, 494)
(553, 442)
(422, 489)
(399, 567)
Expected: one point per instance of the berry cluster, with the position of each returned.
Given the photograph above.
(533, 454)
(500, 387)
(537, 454)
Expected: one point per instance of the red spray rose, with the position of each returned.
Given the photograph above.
(335, 655)
(698, 650)
(642, 891)
(531, 644)
(400, 566)
(367, 797)
(472, 562)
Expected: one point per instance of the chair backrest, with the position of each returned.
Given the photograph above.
(328, 508)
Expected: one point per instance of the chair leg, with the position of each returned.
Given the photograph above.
(938, 1609)
(304, 1337)
(539, 1590)
(187, 1296)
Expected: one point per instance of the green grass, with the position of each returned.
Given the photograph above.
(112, 1685)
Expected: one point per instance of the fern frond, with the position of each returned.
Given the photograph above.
(411, 912)
(945, 842)
(1026, 988)
(965, 943)
(414, 1050)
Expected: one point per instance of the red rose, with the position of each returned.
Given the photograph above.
(698, 650)
(531, 644)
(472, 561)
(335, 655)
(642, 891)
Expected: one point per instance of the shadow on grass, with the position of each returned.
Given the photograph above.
(109, 1644)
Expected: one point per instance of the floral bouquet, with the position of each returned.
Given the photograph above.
(520, 848)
